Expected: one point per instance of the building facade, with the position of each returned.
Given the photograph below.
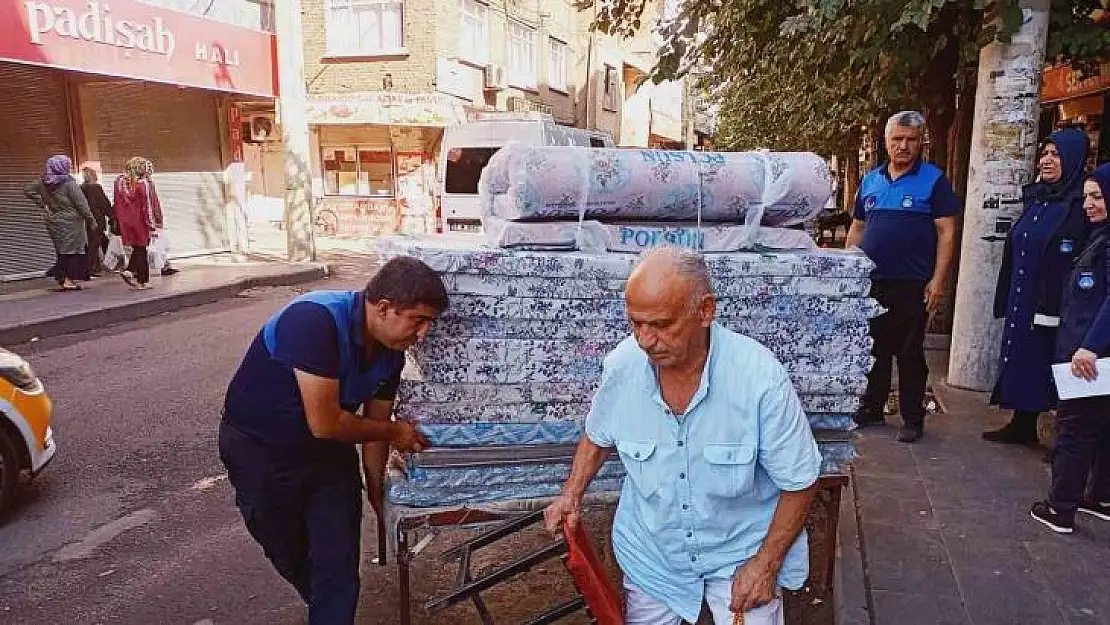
(385, 78)
(103, 83)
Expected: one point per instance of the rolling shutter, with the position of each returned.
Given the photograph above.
(178, 130)
(36, 127)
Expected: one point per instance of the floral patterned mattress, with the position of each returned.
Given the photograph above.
(515, 359)
(546, 183)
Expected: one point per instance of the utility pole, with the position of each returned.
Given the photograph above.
(1003, 148)
(293, 109)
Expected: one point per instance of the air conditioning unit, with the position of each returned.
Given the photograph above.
(264, 128)
(495, 78)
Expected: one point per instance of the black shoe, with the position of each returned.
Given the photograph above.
(1011, 435)
(1053, 520)
(169, 271)
(911, 433)
(1099, 510)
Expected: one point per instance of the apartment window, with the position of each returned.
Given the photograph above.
(474, 31)
(365, 27)
(557, 64)
(610, 99)
(522, 55)
(358, 171)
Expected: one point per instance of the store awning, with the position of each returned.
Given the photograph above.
(389, 109)
(136, 40)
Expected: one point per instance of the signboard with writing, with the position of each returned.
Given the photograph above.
(128, 39)
(392, 109)
(1062, 83)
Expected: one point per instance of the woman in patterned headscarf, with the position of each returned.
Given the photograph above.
(67, 216)
(158, 234)
(137, 213)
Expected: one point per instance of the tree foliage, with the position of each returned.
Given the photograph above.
(810, 74)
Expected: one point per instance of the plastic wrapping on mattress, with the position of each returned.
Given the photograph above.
(514, 361)
(543, 183)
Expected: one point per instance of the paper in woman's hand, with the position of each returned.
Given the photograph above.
(1069, 386)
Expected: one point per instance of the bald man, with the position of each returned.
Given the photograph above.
(720, 459)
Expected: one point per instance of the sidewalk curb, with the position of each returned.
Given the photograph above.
(130, 311)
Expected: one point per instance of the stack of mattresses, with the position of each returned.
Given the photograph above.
(504, 380)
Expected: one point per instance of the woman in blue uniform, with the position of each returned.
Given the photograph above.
(1038, 255)
(1083, 425)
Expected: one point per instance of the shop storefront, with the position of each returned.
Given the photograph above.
(1080, 100)
(104, 83)
(33, 102)
(374, 160)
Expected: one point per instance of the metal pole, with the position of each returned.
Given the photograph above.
(1003, 147)
(300, 242)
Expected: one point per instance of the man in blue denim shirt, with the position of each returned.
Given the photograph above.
(720, 458)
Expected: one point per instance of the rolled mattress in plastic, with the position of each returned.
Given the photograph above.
(542, 183)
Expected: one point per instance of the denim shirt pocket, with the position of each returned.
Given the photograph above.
(636, 456)
(730, 468)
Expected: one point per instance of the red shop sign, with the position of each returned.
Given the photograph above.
(131, 40)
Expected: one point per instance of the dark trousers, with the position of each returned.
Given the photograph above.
(96, 244)
(306, 516)
(1082, 450)
(898, 333)
(139, 265)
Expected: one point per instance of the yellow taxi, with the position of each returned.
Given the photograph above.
(26, 440)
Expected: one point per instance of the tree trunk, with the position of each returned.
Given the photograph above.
(1003, 146)
(851, 176)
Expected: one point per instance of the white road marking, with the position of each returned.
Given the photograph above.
(103, 535)
(208, 482)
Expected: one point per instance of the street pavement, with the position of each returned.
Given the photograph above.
(134, 522)
(33, 309)
(939, 532)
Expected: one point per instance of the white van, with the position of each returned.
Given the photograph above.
(468, 147)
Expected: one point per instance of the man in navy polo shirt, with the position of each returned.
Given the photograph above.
(290, 425)
(905, 220)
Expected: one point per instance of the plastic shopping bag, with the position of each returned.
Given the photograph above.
(157, 254)
(115, 257)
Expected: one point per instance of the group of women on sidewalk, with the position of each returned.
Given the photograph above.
(1054, 295)
(78, 218)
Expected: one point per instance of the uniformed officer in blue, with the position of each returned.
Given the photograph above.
(290, 425)
(1082, 446)
(1036, 261)
(905, 220)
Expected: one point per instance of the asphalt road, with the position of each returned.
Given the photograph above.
(134, 521)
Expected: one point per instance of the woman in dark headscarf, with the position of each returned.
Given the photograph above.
(101, 208)
(1037, 259)
(67, 215)
(1081, 458)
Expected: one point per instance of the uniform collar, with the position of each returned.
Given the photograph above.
(358, 321)
(912, 171)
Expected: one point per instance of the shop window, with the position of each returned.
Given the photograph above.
(355, 171)
(464, 168)
(474, 31)
(365, 27)
(557, 64)
(522, 56)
